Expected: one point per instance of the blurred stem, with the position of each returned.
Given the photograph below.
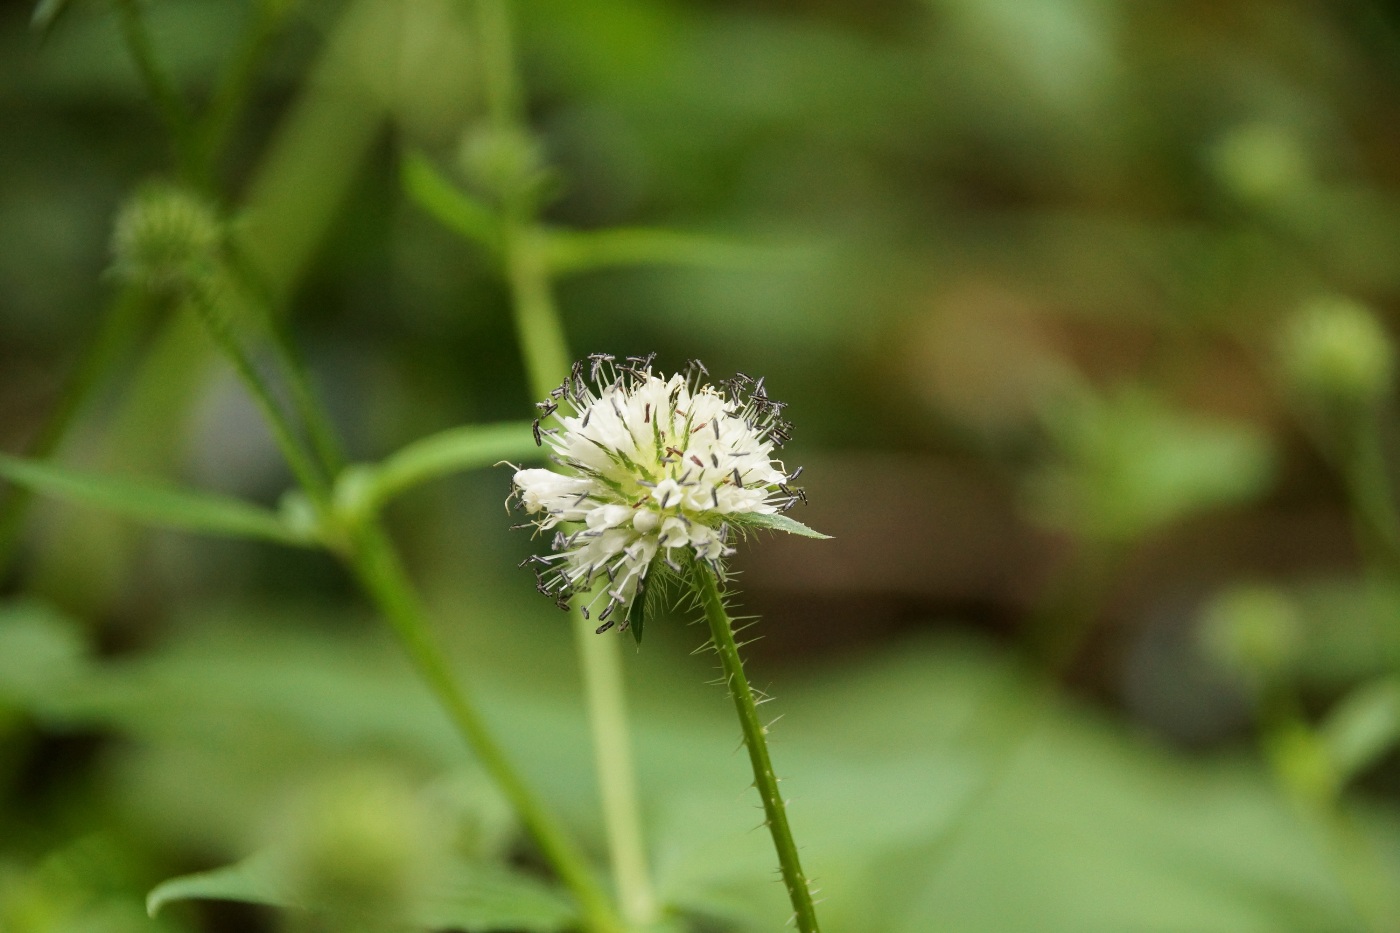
(774, 808)
(303, 467)
(375, 563)
(377, 567)
(309, 407)
(231, 96)
(119, 329)
(161, 88)
(1059, 626)
(1369, 488)
(547, 363)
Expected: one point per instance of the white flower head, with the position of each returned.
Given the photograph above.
(648, 468)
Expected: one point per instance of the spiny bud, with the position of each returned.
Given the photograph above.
(507, 163)
(166, 239)
(1335, 348)
(362, 847)
(1253, 631)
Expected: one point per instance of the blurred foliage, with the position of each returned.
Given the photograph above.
(1083, 310)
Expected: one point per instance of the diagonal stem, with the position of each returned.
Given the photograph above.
(755, 737)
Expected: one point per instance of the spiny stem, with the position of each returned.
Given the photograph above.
(722, 632)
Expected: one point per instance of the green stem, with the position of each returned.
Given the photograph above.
(231, 96)
(377, 567)
(162, 90)
(303, 467)
(120, 327)
(755, 737)
(547, 362)
(600, 659)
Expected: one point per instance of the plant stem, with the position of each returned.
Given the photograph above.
(120, 327)
(372, 558)
(547, 362)
(161, 88)
(377, 567)
(722, 633)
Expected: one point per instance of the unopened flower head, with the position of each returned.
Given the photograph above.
(648, 468)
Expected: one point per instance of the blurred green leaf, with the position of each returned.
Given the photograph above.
(747, 520)
(152, 502)
(370, 486)
(470, 896)
(1363, 727)
(568, 251)
(1128, 464)
(448, 203)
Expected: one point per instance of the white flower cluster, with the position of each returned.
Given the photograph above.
(648, 467)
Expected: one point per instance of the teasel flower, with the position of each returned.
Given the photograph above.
(649, 472)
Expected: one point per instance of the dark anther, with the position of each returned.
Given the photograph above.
(604, 627)
(698, 462)
(698, 426)
(737, 481)
(535, 427)
(796, 473)
(714, 459)
(646, 414)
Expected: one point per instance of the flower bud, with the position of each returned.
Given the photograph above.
(166, 239)
(1253, 631)
(362, 847)
(1335, 348)
(507, 163)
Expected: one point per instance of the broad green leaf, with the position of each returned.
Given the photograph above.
(153, 502)
(367, 486)
(1128, 464)
(747, 520)
(579, 251)
(449, 204)
(1363, 727)
(470, 896)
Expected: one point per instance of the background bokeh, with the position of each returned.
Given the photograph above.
(1080, 308)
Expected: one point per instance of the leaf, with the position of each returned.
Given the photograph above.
(254, 880)
(579, 251)
(746, 520)
(449, 204)
(472, 896)
(1363, 727)
(153, 502)
(370, 486)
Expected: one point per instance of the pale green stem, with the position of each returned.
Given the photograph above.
(548, 362)
(755, 737)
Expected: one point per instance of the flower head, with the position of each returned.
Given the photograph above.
(649, 467)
